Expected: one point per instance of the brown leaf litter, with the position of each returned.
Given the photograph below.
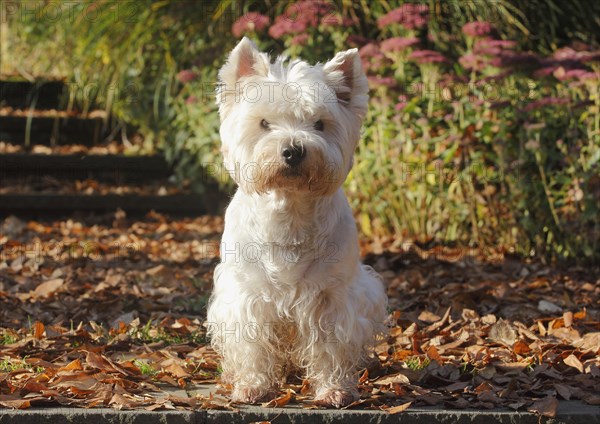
(108, 312)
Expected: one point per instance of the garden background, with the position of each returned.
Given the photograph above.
(483, 127)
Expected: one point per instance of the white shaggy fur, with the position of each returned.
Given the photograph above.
(290, 293)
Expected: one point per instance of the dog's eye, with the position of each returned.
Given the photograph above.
(264, 124)
(319, 125)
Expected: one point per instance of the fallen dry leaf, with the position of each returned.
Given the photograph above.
(433, 354)
(568, 318)
(572, 361)
(280, 401)
(74, 365)
(564, 391)
(502, 332)
(176, 370)
(392, 379)
(14, 402)
(38, 330)
(521, 348)
(47, 288)
(429, 317)
(545, 407)
(589, 343)
(399, 408)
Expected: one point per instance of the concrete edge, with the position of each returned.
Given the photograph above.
(568, 413)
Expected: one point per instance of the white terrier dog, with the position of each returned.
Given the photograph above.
(290, 290)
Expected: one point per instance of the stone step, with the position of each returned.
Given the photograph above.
(55, 184)
(24, 94)
(114, 168)
(28, 204)
(569, 412)
(27, 128)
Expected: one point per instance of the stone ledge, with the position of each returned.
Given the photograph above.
(568, 413)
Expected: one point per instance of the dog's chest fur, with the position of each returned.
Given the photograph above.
(288, 233)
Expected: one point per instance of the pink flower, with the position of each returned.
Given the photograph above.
(250, 22)
(300, 39)
(493, 47)
(397, 44)
(369, 50)
(562, 75)
(332, 20)
(589, 76)
(371, 57)
(427, 56)
(186, 75)
(377, 81)
(473, 62)
(284, 26)
(409, 15)
(544, 72)
(191, 100)
(478, 29)
(336, 20)
(375, 65)
(497, 53)
(546, 101)
(402, 102)
(501, 54)
(400, 106)
(571, 58)
(590, 56)
(572, 74)
(567, 53)
(312, 10)
(301, 15)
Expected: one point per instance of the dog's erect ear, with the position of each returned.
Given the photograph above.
(345, 75)
(244, 60)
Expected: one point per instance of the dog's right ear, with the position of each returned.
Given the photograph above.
(245, 60)
(345, 75)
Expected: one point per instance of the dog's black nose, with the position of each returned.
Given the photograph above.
(293, 154)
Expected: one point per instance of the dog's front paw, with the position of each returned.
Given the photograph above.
(247, 394)
(336, 398)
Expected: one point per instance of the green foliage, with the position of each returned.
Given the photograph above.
(194, 132)
(124, 57)
(416, 363)
(145, 368)
(8, 338)
(16, 364)
(152, 332)
(498, 155)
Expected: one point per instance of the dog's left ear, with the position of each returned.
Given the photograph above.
(344, 74)
(245, 60)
